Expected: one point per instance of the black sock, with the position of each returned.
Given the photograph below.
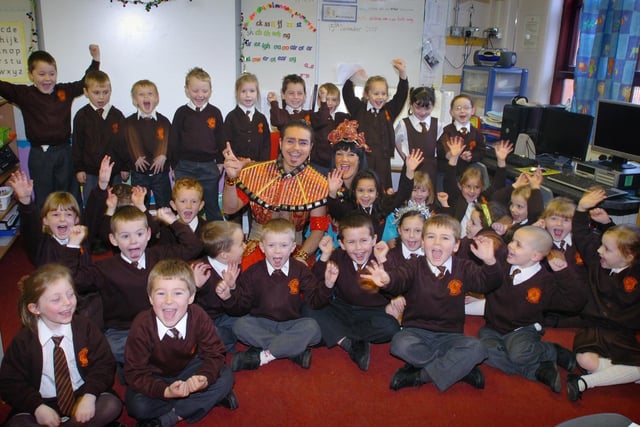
(346, 344)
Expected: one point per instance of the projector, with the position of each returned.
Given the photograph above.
(494, 58)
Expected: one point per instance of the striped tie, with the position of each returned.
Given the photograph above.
(443, 270)
(64, 389)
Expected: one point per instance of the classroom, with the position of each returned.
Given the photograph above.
(515, 61)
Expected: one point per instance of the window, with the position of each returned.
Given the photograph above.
(568, 42)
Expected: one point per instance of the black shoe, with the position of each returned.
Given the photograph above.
(565, 358)
(573, 387)
(475, 377)
(360, 353)
(303, 359)
(150, 422)
(246, 360)
(230, 401)
(547, 374)
(407, 376)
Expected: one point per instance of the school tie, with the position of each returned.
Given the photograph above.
(198, 109)
(463, 131)
(100, 111)
(277, 274)
(514, 273)
(563, 245)
(134, 264)
(64, 389)
(442, 269)
(296, 111)
(248, 113)
(413, 256)
(423, 125)
(173, 333)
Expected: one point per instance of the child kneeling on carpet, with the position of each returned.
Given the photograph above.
(174, 359)
(59, 367)
(608, 349)
(268, 297)
(432, 340)
(514, 312)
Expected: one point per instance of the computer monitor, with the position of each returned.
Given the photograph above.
(564, 134)
(616, 133)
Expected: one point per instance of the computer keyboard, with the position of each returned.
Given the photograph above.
(520, 161)
(7, 159)
(583, 184)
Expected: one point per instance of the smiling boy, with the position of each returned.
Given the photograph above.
(175, 361)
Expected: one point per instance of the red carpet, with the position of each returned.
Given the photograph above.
(334, 392)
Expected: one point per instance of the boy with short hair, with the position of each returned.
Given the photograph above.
(175, 362)
(223, 247)
(432, 340)
(268, 297)
(356, 317)
(46, 109)
(121, 279)
(142, 145)
(294, 93)
(514, 312)
(186, 201)
(197, 140)
(93, 128)
(462, 110)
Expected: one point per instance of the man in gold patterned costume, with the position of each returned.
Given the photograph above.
(286, 187)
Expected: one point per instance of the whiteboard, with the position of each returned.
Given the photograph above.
(370, 33)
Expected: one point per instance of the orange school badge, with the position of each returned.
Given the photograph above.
(629, 284)
(455, 287)
(534, 295)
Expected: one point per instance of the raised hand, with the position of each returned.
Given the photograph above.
(104, 174)
(272, 96)
(94, 50)
(331, 272)
(201, 273)
(502, 149)
(326, 248)
(590, 199)
(334, 178)
(230, 275)
(455, 144)
(401, 67)
(166, 216)
(483, 248)
(22, 186)
(77, 234)
(600, 215)
(232, 165)
(443, 198)
(376, 274)
(380, 251)
(138, 194)
(413, 160)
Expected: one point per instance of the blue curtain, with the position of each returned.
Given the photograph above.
(608, 52)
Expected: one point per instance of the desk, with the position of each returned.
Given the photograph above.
(619, 206)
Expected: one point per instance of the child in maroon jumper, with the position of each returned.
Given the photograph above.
(268, 296)
(46, 108)
(294, 93)
(608, 348)
(174, 364)
(29, 380)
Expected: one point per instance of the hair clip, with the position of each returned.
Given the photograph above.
(347, 131)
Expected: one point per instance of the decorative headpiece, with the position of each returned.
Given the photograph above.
(347, 131)
(411, 207)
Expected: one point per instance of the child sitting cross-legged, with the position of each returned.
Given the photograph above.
(174, 359)
(432, 341)
(514, 312)
(268, 294)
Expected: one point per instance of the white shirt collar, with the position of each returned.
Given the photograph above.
(142, 115)
(191, 105)
(105, 109)
(217, 266)
(460, 126)
(63, 242)
(371, 107)
(355, 264)
(45, 334)
(568, 241)
(194, 223)
(181, 326)
(251, 110)
(291, 109)
(406, 253)
(416, 121)
(142, 262)
(284, 269)
(618, 270)
(525, 273)
(446, 265)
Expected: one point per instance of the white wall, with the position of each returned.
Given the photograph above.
(160, 45)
